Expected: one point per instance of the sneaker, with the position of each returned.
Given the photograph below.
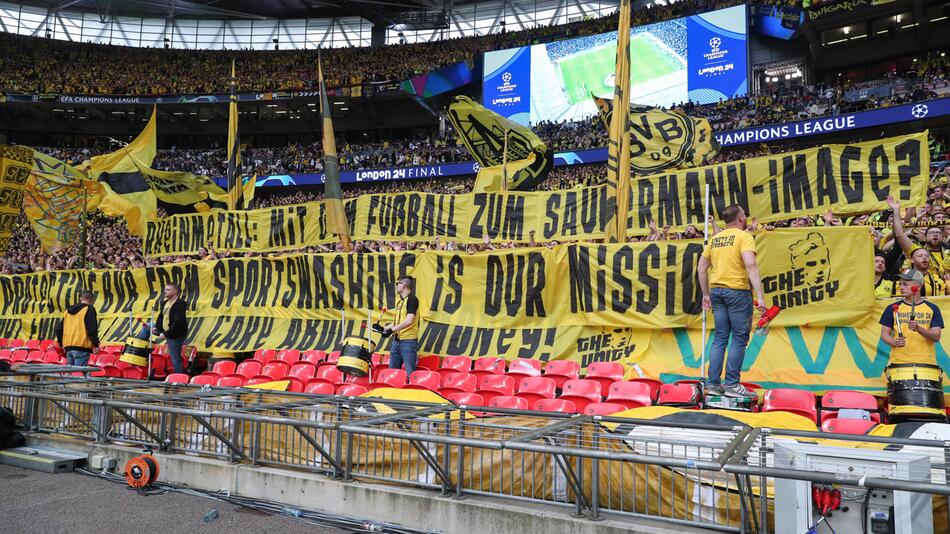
(714, 389)
(738, 391)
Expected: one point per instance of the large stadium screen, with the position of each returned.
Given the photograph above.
(701, 58)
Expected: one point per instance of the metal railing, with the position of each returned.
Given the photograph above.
(716, 476)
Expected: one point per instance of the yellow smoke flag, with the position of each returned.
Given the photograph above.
(336, 215)
(234, 147)
(664, 139)
(618, 144)
(56, 198)
(15, 165)
(250, 183)
(484, 133)
(492, 179)
(142, 148)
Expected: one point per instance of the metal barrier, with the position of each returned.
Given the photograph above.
(713, 476)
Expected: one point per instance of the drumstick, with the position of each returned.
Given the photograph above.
(897, 320)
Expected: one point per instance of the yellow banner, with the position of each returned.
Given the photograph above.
(818, 276)
(57, 197)
(16, 162)
(262, 230)
(816, 358)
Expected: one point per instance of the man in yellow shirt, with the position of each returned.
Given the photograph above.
(727, 270)
(913, 337)
(404, 351)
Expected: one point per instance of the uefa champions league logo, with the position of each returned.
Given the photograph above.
(919, 111)
(506, 78)
(476, 167)
(714, 43)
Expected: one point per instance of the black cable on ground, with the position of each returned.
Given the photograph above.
(309, 516)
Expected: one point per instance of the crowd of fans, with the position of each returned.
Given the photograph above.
(36, 65)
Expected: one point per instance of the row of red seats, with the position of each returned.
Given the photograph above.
(30, 344)
(32, 356)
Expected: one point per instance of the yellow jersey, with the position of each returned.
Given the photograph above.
(724, 252)
(918, 349)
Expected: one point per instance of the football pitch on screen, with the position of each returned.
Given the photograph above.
(591, 71)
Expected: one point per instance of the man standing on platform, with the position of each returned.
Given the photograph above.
(727, 268)
(172, 324)
(404, 351)
(78, 332)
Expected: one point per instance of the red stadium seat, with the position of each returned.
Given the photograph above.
(581, 392)
(294, 385)
(47, 344)
(313, 356)
(177, 378)
(489, 366)
(350, 390)
(207, 379)
(491, 386)
(605, 373)
(275, 369)
(290, 356)
(429, 363)
(847, 426)
(425, 379)
(388, 378)
(106, 359)
(224, 367)
(833, 401)
(555, 405)
(318, 387)
(653, 383)
(231, 381)
(630, 394)
(535, 388)
(35, 356)
(248, 368)
(379, 360)
(795, 401)
(110, 371)
(21, 355)
(468, 399)
(134, 373)
(33, 344)
(509, 402)
(604, 408)
(6, 355)
(13, 343)
(159, 365)
(52, 358)
(302, 371)
(266, 355)
(358, 380)
(751, 386)
(524, 367)
(562, 370)
(453, 383)
(4, 342)
(680, 395)
(329, 374)
(455, 364)
(333, 357)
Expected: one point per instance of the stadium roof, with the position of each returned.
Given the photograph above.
(375, 10)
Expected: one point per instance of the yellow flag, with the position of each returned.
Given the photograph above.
(143, 148)
(492, 179)
(336, 215)
(57, 197)
(618, 145)
(234, 148)
(15, 165)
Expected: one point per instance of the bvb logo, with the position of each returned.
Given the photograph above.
(812, 256)
(659, 140)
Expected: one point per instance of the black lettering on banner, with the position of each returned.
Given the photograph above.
(645, 202)
(415, 226)
(514, 219)
(569, 226)
(601, 282)
(796, 188)
(878, 172)
(852, 183)
(825, 183)
(593, 204)
(622, 298)
(579, 267)
(692, 294)
(454, 268)
(551, 224)
(670, 212)
(648, 298)
(477, 229)
(908, 150)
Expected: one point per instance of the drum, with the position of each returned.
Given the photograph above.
(136, 352)
(355, 357)
(914, 392)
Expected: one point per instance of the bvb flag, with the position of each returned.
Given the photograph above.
(661, 140)
(336, 216)
(57, 197)
(485, 134)
(618, 144)
(235, 190)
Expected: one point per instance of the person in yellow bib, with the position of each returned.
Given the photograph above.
(727, 272)
(404, 351)
(78, 332)
(912, 326)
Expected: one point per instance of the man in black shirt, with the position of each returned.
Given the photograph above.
(172, 324)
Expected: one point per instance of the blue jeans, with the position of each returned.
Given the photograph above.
(404, 352)
(174, 354)
(732, 313)
(77, 357)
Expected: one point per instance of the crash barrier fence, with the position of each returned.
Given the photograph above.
(715, 476)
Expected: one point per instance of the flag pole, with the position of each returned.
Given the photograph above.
(82, 228)
(702, 369)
